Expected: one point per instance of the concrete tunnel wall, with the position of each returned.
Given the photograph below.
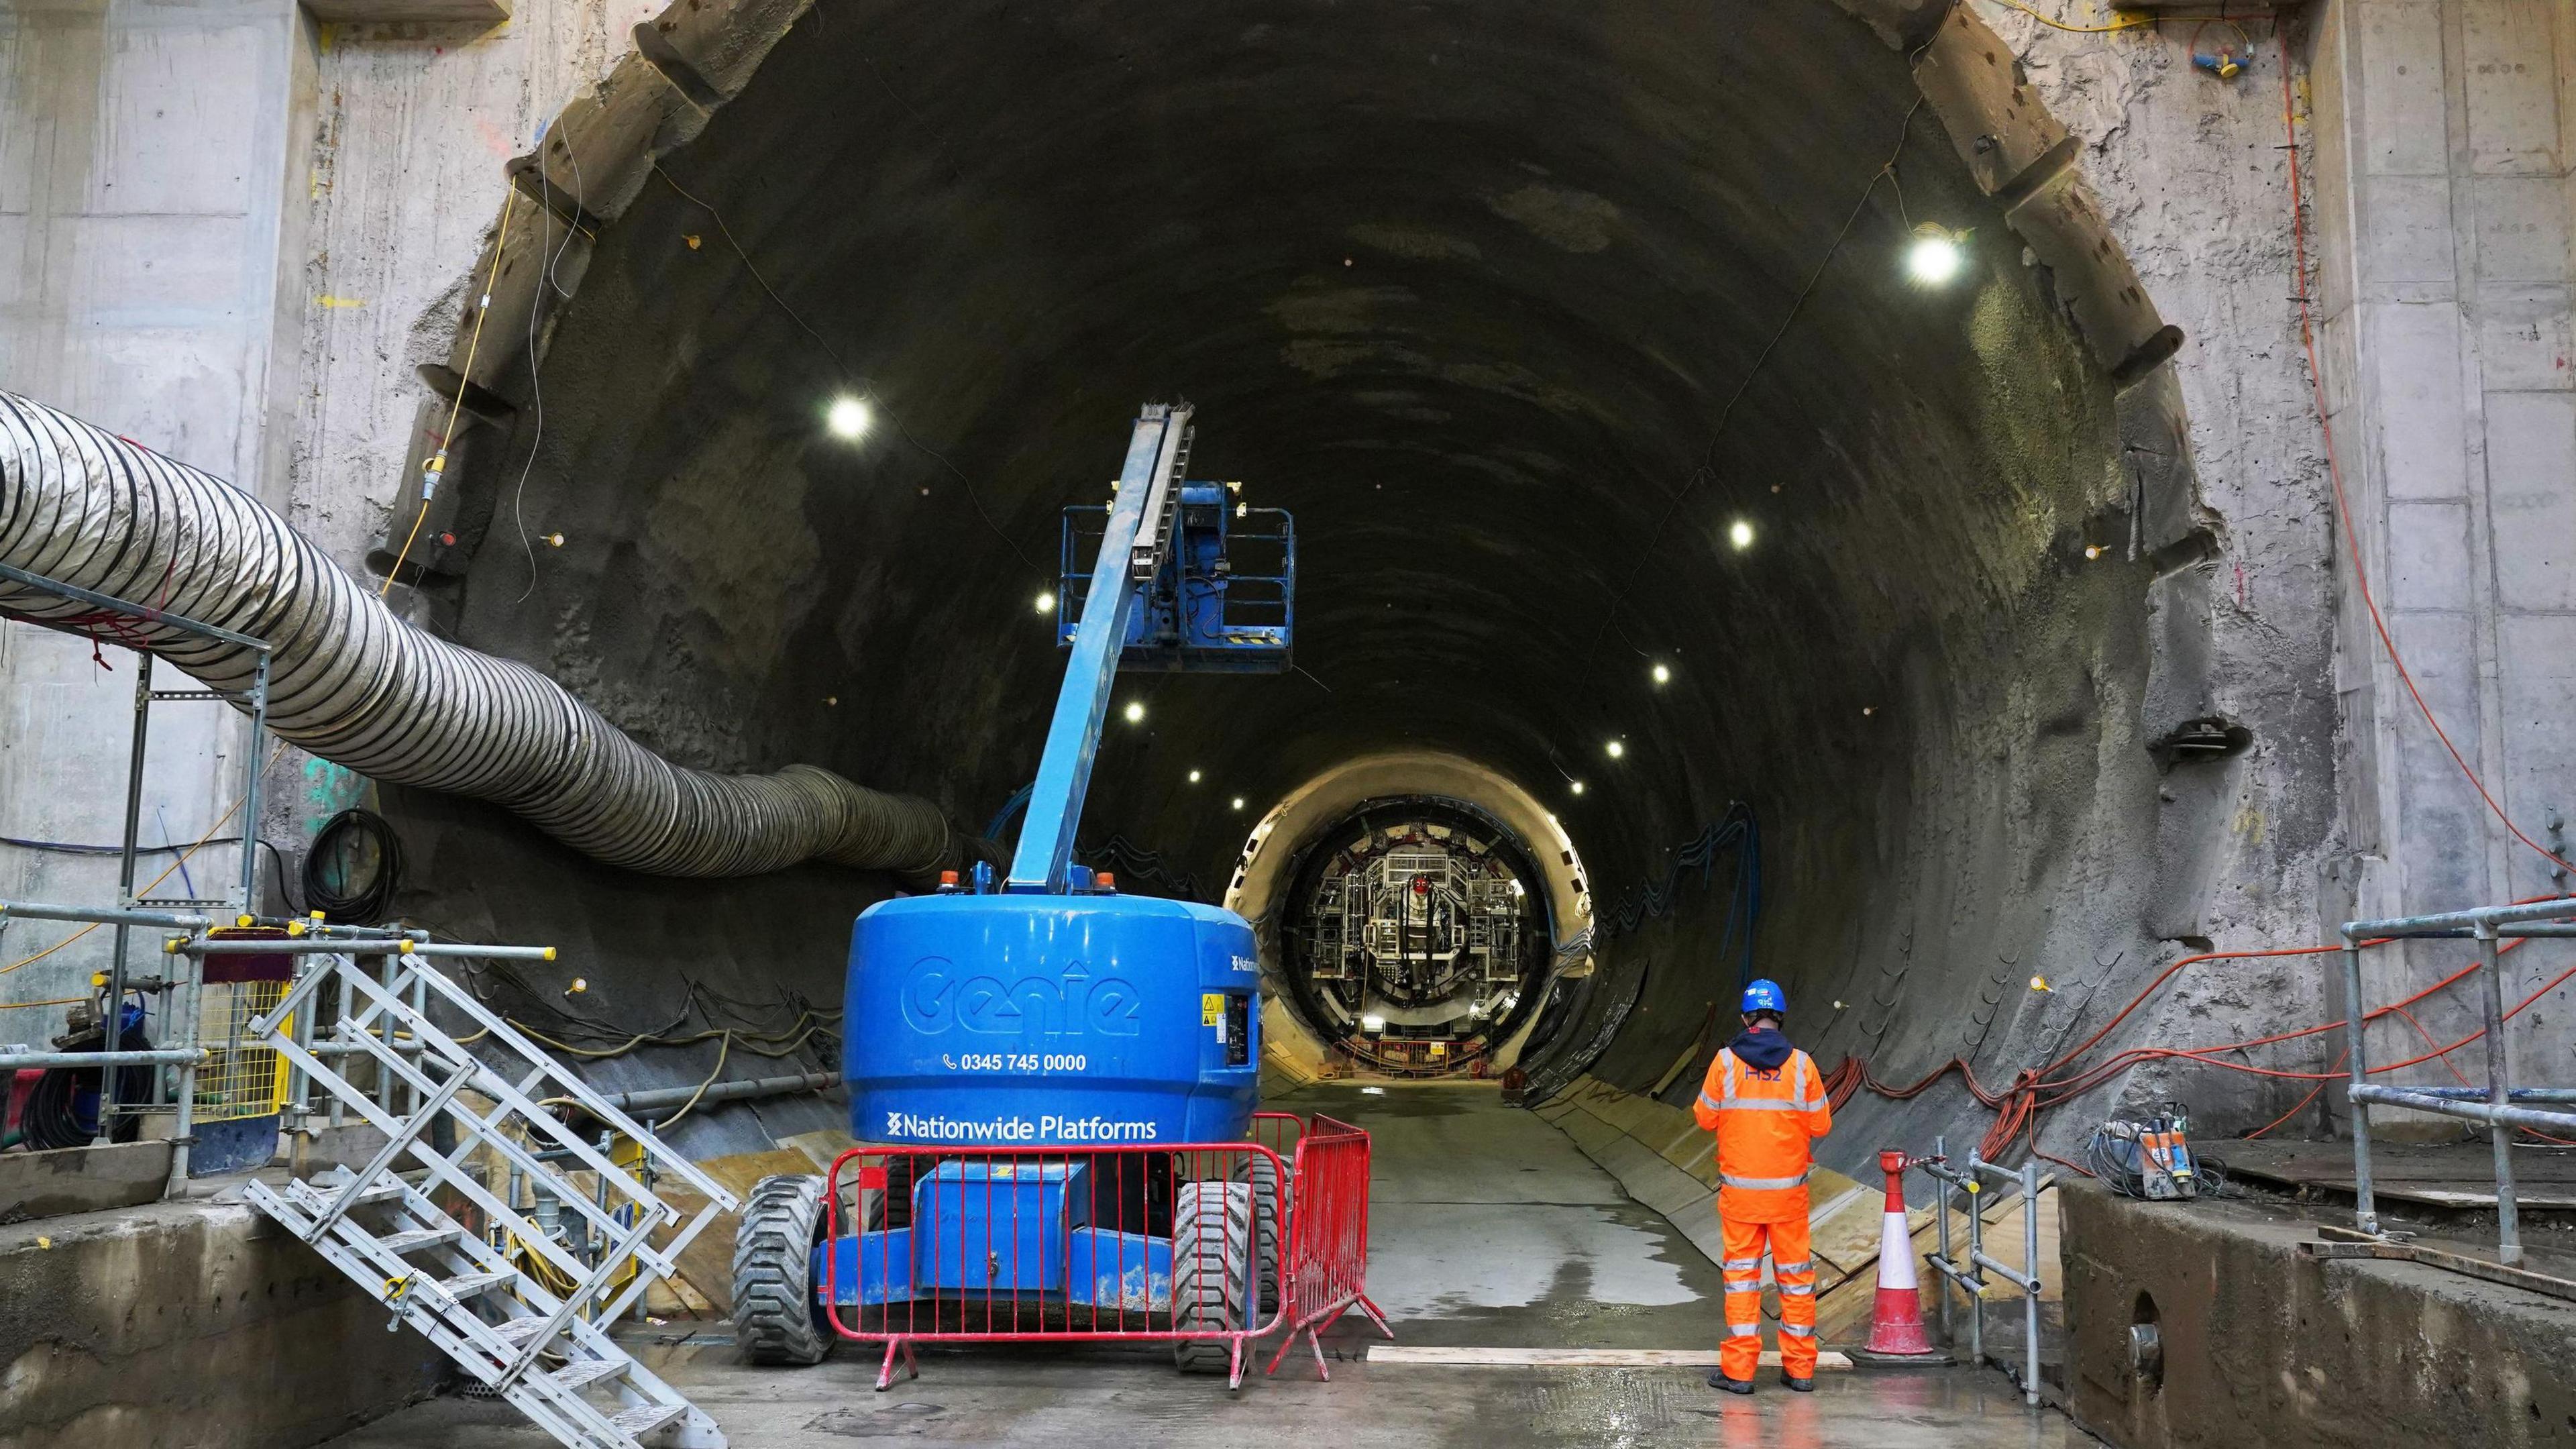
(1468, 289)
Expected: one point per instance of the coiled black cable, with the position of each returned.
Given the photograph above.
(52, 1118)
(340, 848)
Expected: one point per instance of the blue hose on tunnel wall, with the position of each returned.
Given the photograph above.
(1738, 829)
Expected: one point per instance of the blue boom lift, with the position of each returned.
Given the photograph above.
(1047, 1010)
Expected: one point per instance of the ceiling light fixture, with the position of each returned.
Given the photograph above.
(1617, 749)
(1663, 674)
(1046, 602)
(848, 418)
(1194, 777)
(1936, 256)
(1578, 787)
(1740, 533)
(1135, 712)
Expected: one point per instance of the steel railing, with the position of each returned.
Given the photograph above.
(2496, 1104)
(1970, 1273)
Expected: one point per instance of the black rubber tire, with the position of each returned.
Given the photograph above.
(1269, 1216)
(1211, 1270)
(776, 1319)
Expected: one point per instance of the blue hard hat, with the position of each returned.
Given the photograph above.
(1765, 995)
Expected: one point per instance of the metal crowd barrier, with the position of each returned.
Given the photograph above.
(2489, 926)
(1206, 1246)
(1970, 1275)
(1327, 1251)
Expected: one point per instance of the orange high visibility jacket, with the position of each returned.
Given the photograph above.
(1765, 1122)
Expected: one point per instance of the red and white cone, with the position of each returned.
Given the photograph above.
(1896, 1323)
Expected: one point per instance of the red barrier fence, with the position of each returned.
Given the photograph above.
(1207, 1246)
(1327, 1255)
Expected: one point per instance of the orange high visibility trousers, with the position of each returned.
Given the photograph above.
(1793, 1268)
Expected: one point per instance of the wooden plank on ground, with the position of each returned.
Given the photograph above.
(1410, 1353)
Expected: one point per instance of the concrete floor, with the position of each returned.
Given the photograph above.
(1489, 1229)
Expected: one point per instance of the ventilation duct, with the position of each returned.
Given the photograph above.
(355, 685)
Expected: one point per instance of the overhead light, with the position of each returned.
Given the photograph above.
(1135, 711)
(2092, 550)
(1194, 777)
(1238, 802)
(848, 418)
(1740, 533)
(1936, 255)
(1372, 1023)
(1617, 749)
(1578, 787)
(1046, 602)
(1372, 1091)
(1663, 674)
(1518, 889)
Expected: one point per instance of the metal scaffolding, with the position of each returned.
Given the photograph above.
(122, 615)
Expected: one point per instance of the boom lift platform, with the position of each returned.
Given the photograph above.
(1062, 1078)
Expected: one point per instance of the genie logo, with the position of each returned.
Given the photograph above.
(937, 997)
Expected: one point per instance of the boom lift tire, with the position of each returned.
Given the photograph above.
(776, 1318)
(1269, 1218)
(1211, 1271)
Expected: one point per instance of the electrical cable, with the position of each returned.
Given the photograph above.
(326, 884)
(276, 858)
(456, 408)
(553, 253)
(220, 821)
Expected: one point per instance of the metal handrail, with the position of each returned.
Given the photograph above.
(1971, 1276)
(2494, 1105)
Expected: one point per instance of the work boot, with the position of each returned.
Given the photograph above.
(1796, 1385)
(1718, 1380)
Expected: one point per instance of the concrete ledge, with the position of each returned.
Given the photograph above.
(189, 1324)
(81, 1179)
(2263, 1345)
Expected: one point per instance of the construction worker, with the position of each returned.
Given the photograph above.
(1765, 1100)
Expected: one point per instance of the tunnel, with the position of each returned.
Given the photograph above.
(1634, 474)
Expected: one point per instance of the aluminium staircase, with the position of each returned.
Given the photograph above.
(530, 1337)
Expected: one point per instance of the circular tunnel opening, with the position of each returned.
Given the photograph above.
(1416, 936)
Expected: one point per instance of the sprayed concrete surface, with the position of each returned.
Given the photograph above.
(1487, 1228)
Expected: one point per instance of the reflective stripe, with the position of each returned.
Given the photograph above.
(1762, 1184)
(1797, 1290)
(1798, 1075)
(1708, 1101)
(1760, 1104)
(1726, 1072)
(1743, 1330)
(1742, 1265)
(1803, 1265)
(1797, 1330)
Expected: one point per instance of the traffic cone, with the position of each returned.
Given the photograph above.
(1896, 1322)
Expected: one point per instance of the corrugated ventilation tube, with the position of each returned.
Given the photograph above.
(354, 684)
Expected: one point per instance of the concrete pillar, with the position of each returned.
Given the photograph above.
(2440, 225)
(148, 282)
